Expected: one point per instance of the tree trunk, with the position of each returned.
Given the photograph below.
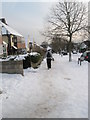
(70, 49)
(70, 59)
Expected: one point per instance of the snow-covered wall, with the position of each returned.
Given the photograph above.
(1, 50)
(11, 67)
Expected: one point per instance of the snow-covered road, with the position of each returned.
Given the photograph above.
(61, 92)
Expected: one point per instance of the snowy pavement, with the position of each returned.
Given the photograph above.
(61, 92)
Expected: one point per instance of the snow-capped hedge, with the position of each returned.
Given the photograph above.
(35, 57)
(34, 54)
(27, 59)
(19, 57)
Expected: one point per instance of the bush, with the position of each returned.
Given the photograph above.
(35, 58)
(32, 60)
(27, 62)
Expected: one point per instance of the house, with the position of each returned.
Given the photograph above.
(34, 47)
(13, 42)
(1, 52)
(38, 48)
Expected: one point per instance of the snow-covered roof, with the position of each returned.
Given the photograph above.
(49, 48)
(12, 31)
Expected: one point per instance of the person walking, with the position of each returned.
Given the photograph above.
(48, 58)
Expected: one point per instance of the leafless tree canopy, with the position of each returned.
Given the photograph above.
(67, 18)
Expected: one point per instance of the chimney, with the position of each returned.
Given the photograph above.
(3, 20)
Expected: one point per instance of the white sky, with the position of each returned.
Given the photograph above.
(28, 18)
(42, 0)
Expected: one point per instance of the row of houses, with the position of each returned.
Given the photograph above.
(11, 42)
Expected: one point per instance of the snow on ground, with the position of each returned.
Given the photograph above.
(0, 96)
(61, 92)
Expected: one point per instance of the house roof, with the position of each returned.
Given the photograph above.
(49, 48)
(12, 31)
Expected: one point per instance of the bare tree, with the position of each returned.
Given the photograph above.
(66, 19)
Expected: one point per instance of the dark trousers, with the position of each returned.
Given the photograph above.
(49, 63)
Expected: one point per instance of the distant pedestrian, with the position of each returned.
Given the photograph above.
(49, 58)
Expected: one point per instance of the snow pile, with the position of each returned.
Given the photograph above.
(61, 92)
(8, 58)
(14, 57)
(21, 57)
(34, 53)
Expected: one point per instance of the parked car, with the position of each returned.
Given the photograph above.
(85, 56)
(74, 52)
(64, 52)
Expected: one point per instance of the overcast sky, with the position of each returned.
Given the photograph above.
(27, 18)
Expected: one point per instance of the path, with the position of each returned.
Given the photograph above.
(43, 93)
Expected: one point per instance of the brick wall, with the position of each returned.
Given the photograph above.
(20, 42)
(11, 67)
(21, 45)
